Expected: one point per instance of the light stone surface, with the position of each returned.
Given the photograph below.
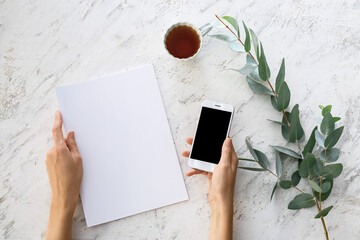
(44, 44)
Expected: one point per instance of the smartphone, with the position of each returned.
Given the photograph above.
(213, 128)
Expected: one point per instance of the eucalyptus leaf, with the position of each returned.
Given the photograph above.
(277, 122)
(280, 77)
(306, 166)
(333, 137)
(251, 150)
(327, 124)
(250, 60)
(316, 168)
(303, 200)
(325, 187)
(326, 110)
(247, 38)
(273, 191)
(255, 43)
(278, 165)
(319, 138)
(310, 144)
(336, 119)
(264, 70)
(324, 212)
(321, 107)
(258, 88)
(285, 184)
(332, 171)
(287, 151)
(247, 159)
(295, 178)
(314, 185)
(332, 154)
(222, 37)
(325, 194)
(296, 131)
(253, 169)
(283, 96)
(262, 159)
(236, 46)
(234, 23)
(247, 69)
(255, 76)
(285, 130)
(274, 103)
(217, 24)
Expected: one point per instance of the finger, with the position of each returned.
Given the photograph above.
(185, 153)
(235, 160)
(227, 152)
(189, 141)
(57, 129)
(195, 172)
(71, 143)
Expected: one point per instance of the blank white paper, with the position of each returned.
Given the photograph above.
(122, 132)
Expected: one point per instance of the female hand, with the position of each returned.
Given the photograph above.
(221, 190)
(65, 171)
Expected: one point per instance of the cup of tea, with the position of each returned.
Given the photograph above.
(183, 40)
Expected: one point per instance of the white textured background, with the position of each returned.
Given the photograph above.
(48, 43)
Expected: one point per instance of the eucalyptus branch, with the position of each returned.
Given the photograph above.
(319, 175)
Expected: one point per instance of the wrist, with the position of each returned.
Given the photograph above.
(62, 208)
(222, 208)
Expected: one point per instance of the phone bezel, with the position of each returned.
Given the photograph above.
(199, 164)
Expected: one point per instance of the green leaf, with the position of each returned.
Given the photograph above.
(324, 212)
(262, 159)
(255, 43)
(255, 76)
(325, 186)
(280, 77)
(253, 169)
(333, 137)
(247, 159)
(250, 60)
(314, 186)
(273, 191)
(295, 178)
(285, 130)
(332, 171)
(251, 150)
(278, 165)
(258, 88)
(310, 144)
(277, 122)
(316, 168)
(236, 46)
(296, 131)
(319, 138)
(332, 154)
(247, 69)
(247, 38)
(234, 23)
(336, 119)
(303, 200)
(285, 184)
(325, 194)
(321, 107)
(264, 70)
(283, 96)
(327, 124)
(326, 110)
(287, 151)
(274, 103)
(222, 37)
(306, 166)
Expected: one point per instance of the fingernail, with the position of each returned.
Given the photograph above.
(228, 141)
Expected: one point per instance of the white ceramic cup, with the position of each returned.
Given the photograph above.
(201, 32)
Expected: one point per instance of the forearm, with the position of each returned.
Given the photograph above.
(221, 225)
(60, 222)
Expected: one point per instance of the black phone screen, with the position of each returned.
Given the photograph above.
(210, 135)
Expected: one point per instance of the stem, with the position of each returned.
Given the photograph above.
(321, 179)
(322, 218)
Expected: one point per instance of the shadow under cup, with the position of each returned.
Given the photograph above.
(183, 41)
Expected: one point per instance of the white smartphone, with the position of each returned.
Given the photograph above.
(213, 128)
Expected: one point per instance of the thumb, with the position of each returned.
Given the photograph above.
(71, 142)
(226, 153)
